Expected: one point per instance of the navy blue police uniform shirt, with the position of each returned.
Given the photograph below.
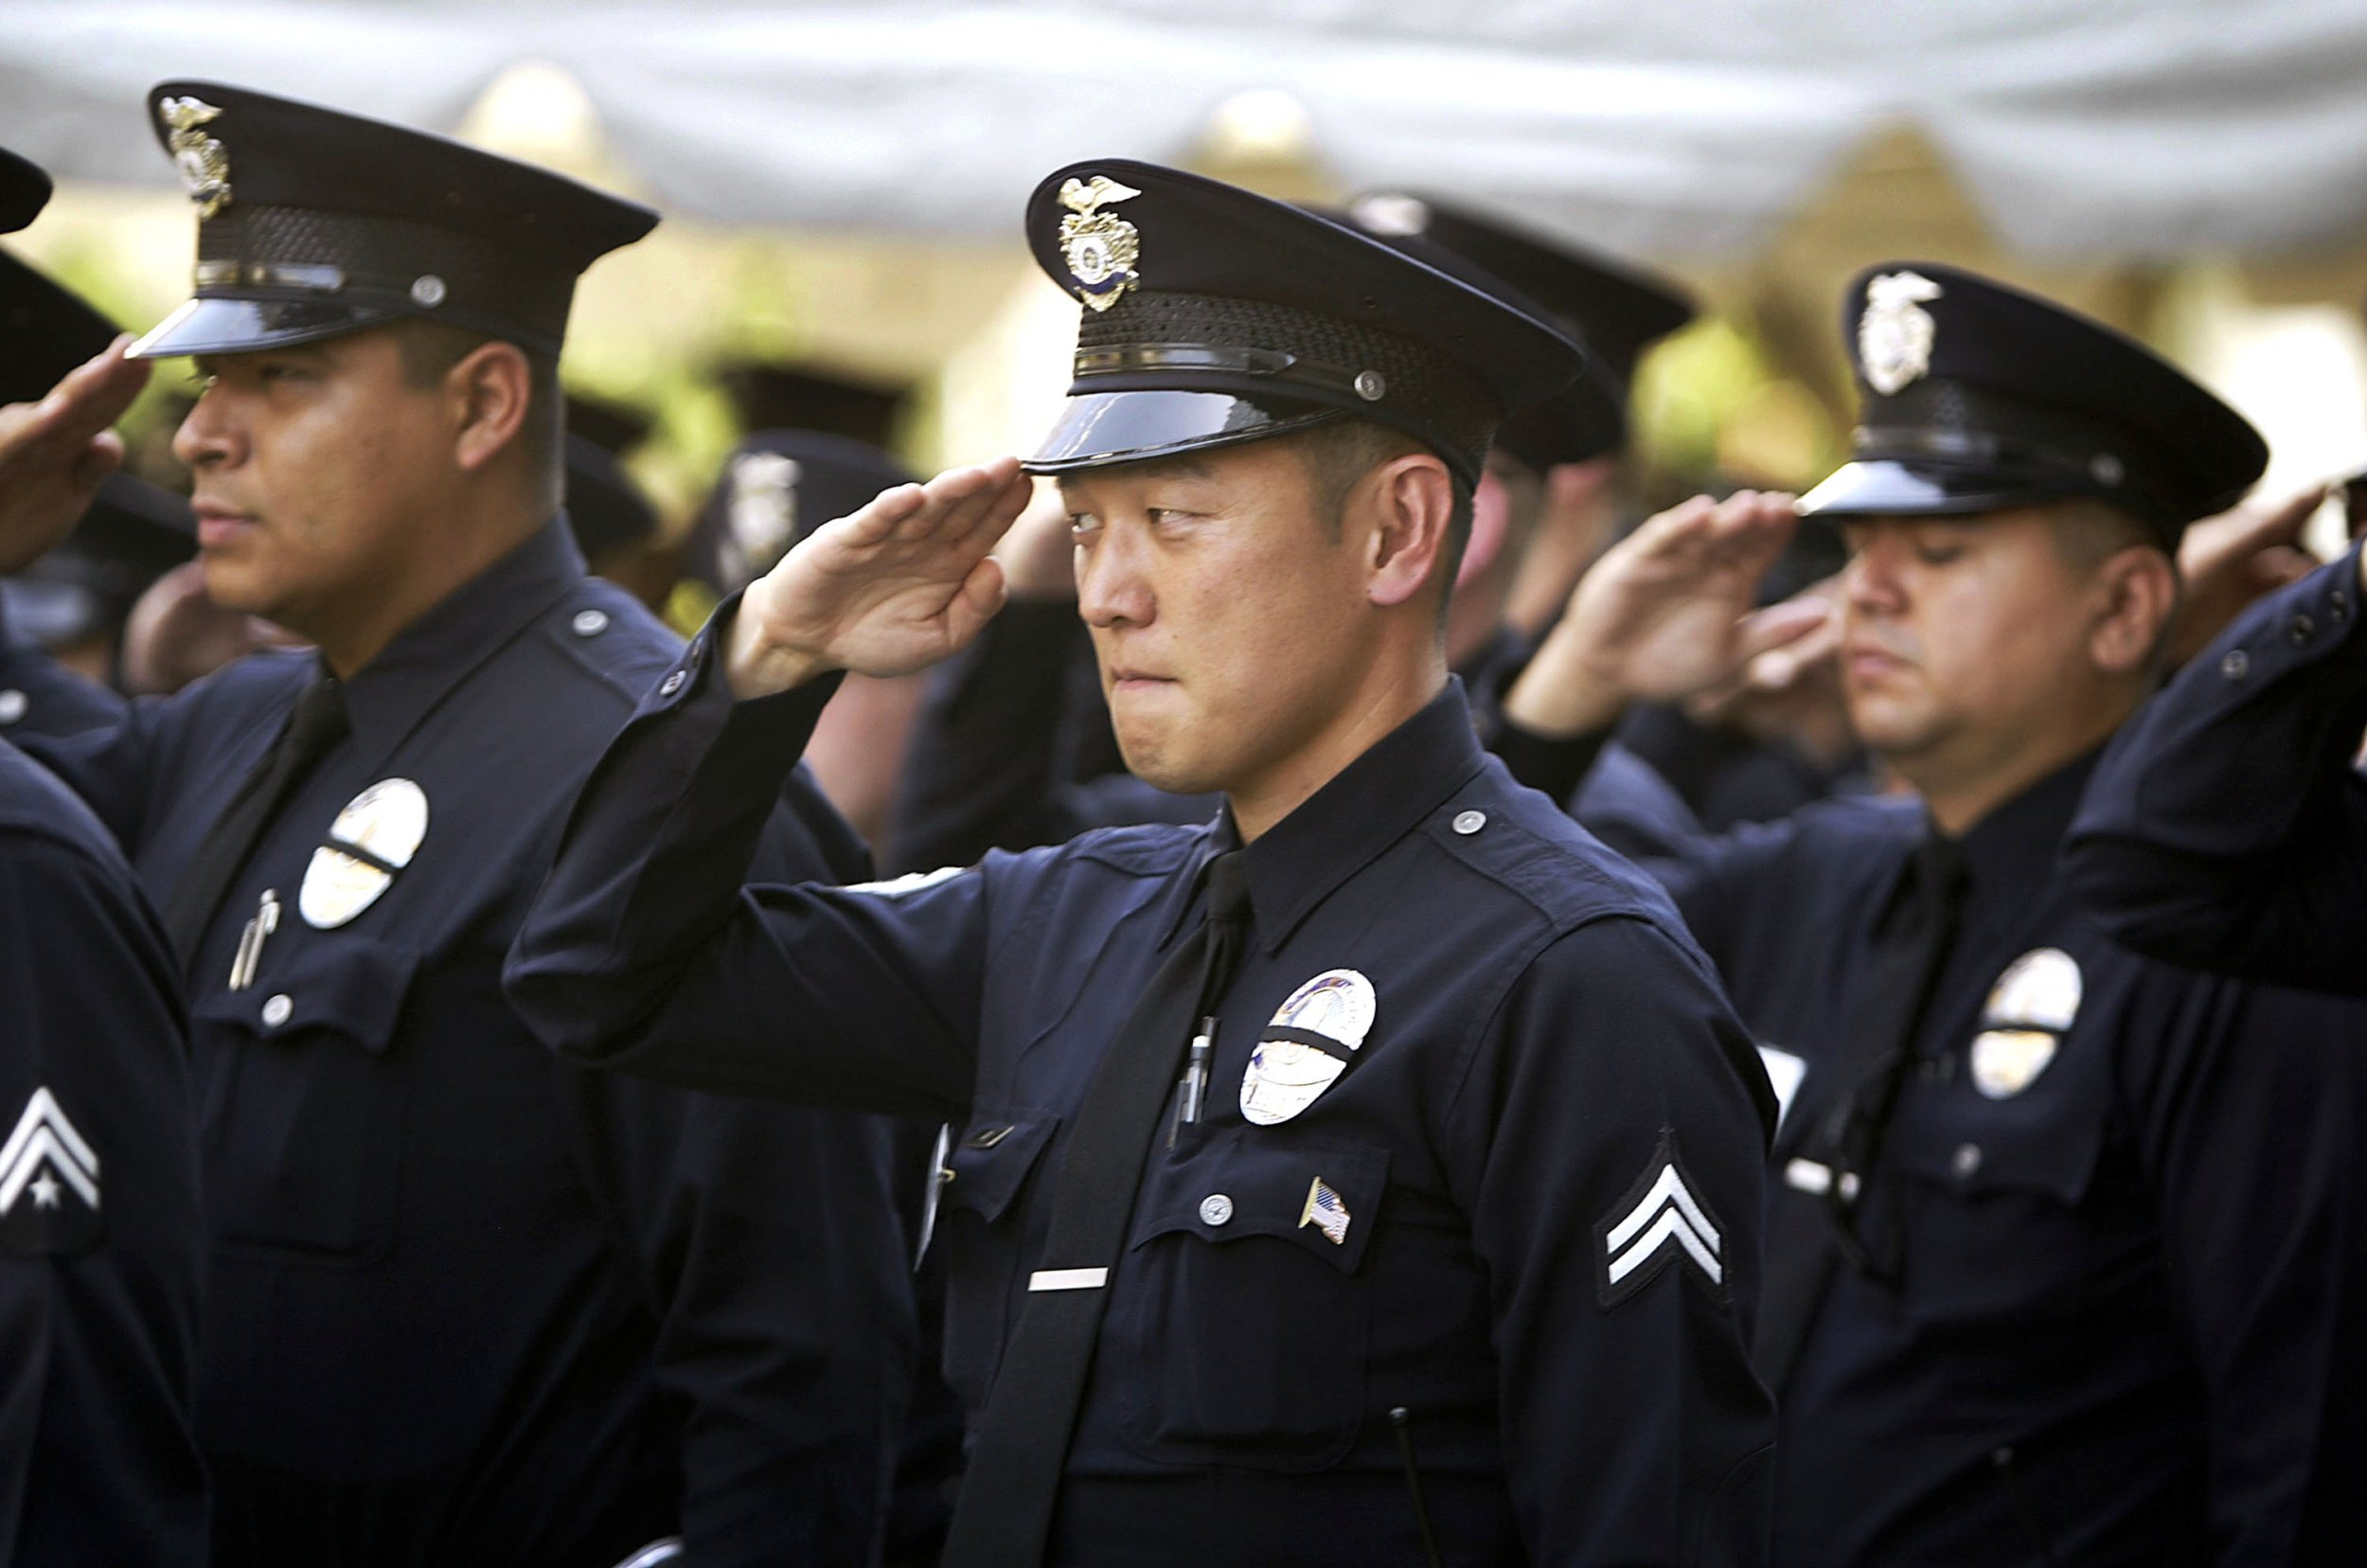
(99, 1237)
(2226, 828)
(1011, 749)
(2128, 1203)
(465, 1303)
(1540, 1172)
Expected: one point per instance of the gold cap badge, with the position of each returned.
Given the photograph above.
(203, 162)
(1101, 247)
(1895, 334)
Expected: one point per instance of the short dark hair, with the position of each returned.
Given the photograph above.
(431, 349)
(1340, 452)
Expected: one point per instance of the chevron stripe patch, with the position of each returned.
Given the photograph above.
(48, 1185)
(1659, 1225)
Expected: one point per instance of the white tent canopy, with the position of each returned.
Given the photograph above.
(2109, 128)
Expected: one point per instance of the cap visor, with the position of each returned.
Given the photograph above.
(1098, 429)
(1885, 489)
(218, 326)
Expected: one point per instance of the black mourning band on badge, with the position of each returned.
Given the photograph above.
(324, 272)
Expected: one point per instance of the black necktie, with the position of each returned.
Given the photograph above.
(1808, 1231)
(318, 723)
(1004, 1519)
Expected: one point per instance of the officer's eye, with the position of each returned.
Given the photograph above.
(1939, 555)
(1162, 516)
(1081, 525)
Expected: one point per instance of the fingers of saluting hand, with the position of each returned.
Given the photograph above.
(91, 397)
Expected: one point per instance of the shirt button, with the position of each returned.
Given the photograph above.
(1468, 823)
(590, 623)
(12, 706)
(1966, 1164)
(2235, 665)
(672, 683)
(278, 1010)
(2340, 602)
(2300, 630)
(1214, 1209)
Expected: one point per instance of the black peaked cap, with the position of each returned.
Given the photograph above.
(1979, 397)
(24, 191)
(1213, 317)
(313, 221)
(45, 330)
(776, 487)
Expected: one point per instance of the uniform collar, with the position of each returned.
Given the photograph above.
(411, 674)
(1343, 826)
(2010, 854)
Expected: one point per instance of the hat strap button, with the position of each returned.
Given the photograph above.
(428, 289)
(1371, 385)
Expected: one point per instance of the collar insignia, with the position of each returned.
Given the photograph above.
(203, 162)
(373, 838)
(2033, 1002)
(1895, 334)
(1101, 247)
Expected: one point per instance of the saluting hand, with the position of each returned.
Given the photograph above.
(894, 588)
(54, 452)
(1665, 614)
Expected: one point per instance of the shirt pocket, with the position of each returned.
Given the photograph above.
(2000, 1199)
(305, 1104)
(981, 1222)
(1237, 1329)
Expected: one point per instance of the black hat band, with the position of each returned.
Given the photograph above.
(280, 252)
(1153, 339)
(2043, 450)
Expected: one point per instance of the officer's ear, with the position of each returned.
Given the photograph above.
(1412, 503)
(2136, 591)
(488, 389)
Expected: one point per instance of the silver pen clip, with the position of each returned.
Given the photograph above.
(250, 957)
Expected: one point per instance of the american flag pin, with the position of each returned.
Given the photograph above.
(1326, 1211)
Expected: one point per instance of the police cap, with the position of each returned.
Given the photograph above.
(776, 487)
(313, 222)
(1213, 317)
(24, 191)
(1979, 397)
(1616, 310)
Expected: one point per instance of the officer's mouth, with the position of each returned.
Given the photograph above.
(1867, 664)
(219, 526)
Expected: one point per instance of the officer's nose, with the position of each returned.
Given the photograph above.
(210, 436)
(1112, 578)
(1872, 581)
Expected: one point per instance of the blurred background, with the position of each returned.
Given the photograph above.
(842, 183)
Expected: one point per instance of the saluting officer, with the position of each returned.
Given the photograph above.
(1012, 746)
(2062, 1265)
(99, 1233)
(465, 1305)
(1369, 1176)
(2226, 826)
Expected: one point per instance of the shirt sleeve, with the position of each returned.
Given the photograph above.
(2252, 1131)
(648, 949)
(98, 1294)
(2226, 826)
(1615, 1209)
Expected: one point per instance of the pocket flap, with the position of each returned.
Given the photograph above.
(990, 1160)
(351, 984)
(1320, 1195)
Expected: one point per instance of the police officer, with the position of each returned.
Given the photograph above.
(1012, 747)
(2062, 1265)
(1367, 1176)
(2226, 826)
(465, 1305)
(99, 1222)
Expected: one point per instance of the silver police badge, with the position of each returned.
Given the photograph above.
(374, 837)
(2031, 1005)
(763, 513)
(1895, 334)
(203, 162)
(1101, 248)
(1307, 1046)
